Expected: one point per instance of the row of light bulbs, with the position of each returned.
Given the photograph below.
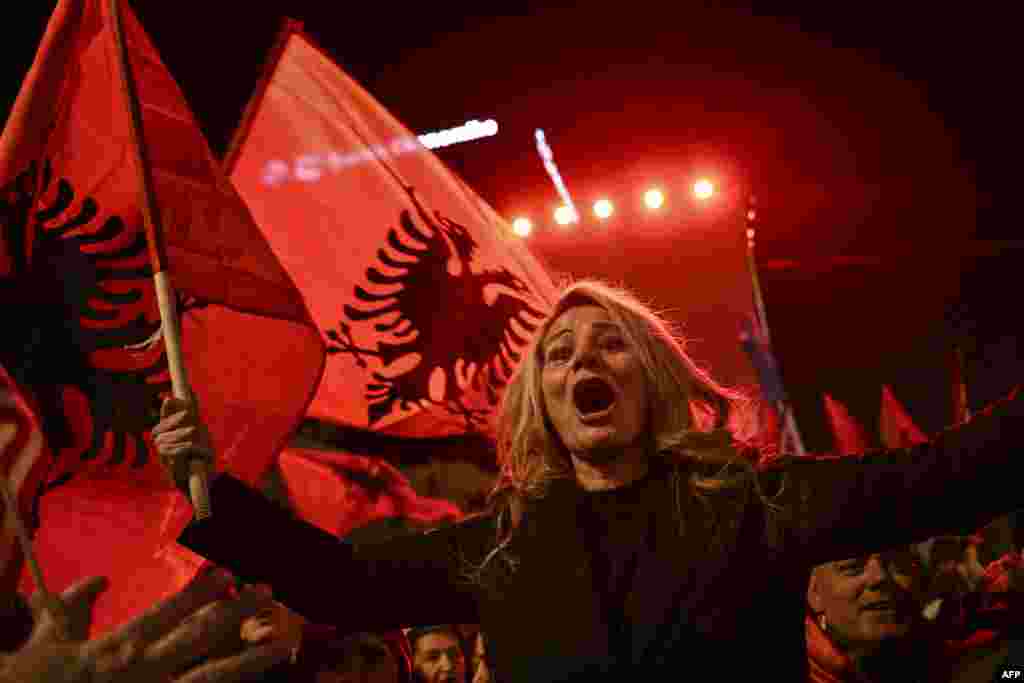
(654, 199)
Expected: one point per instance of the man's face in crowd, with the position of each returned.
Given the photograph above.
(868, 600)
(438, 658)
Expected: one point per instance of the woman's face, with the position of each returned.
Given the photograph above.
(593, 384)
(870, 599)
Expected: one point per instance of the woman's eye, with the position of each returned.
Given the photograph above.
(558, 354)
(614, 343)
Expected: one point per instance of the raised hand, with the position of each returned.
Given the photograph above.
(193, 636)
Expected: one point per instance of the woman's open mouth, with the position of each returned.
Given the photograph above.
(594, 399)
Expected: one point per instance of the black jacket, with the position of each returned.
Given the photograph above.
(712, 596)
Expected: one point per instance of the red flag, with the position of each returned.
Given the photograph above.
(23, 461)
(961, 411)
(339, 492)
(849, 436)
(897, 428)
(88, 343)
(426, 295)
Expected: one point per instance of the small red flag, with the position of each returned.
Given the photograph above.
(87, 343)
(425, 294)
(849, 436)
(339, 492)
(897, 428)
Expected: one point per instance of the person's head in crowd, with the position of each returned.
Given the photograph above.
(438, 654)
(865, 604)
(953, 565)
(360, 658)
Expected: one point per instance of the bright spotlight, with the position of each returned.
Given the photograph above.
(603, 208)
(522, 227)
(703, 189)
(654, 198)
(564, 215)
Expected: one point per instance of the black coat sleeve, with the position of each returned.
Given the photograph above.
(408, 581)
(835, 509)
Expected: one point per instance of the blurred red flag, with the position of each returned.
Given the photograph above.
(849, 436)
(426, 295)
(895, 424)
(339, 492)
(23, 461)
(87, 342)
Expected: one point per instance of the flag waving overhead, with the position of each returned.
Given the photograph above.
(897, 428)
(339, 492)
(849, 436)
(425, 296)
(87, 338)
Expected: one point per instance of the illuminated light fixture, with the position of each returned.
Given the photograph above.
(522, 227)
(703, 189)
(603, 208)
(654, 199)
(564, 215)
(470, 130)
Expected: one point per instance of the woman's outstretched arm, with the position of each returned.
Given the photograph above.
(965, 476)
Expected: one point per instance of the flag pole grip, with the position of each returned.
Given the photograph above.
(199, 476)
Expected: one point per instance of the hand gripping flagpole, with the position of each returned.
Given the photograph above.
(789, 427)
(198, 481)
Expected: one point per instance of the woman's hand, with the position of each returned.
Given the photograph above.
(190, 637)
(181, 437)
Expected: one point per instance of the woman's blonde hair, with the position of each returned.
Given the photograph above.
(691, 418)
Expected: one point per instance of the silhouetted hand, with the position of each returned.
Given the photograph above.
(191, 637)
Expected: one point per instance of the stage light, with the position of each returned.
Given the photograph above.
(522, 227)
(564, 215)
(703, 189)
(603, 208)
(654, 198)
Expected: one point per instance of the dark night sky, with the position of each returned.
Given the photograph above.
(876, 130)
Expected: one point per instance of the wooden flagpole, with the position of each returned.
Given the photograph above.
(51, 601)
(171, 324)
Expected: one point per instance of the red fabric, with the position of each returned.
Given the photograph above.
(339, 492)
(849, 436)
(72, 222)
(23, 460)
(897, 428)
(826, 662)
(425, 292)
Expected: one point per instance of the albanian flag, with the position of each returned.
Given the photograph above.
(897, 427)
(424, 295)
(84, 329)
(849, 436)
(339, 492)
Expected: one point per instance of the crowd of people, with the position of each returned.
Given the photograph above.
(631, 529)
